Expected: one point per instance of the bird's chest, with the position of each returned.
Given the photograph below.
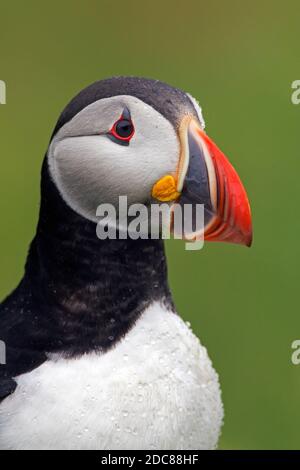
(155, 390)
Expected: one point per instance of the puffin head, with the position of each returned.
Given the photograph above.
(145, 140)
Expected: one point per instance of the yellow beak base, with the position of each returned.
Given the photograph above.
(165, 189)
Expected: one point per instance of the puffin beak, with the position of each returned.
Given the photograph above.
(205, 176)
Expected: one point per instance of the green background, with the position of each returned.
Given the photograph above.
(239, 59)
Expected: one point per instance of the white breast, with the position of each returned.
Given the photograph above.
(156, 389)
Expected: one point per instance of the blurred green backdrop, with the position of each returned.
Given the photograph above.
(239, 59)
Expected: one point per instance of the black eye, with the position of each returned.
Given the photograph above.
(122, 130)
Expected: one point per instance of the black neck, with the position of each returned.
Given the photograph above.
(89, 291)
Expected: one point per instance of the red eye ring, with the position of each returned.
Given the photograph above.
(123, 129)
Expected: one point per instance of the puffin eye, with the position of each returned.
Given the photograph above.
(122, 130)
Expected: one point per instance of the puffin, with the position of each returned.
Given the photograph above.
(97, 357)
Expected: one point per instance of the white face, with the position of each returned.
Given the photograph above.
(90, 169)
